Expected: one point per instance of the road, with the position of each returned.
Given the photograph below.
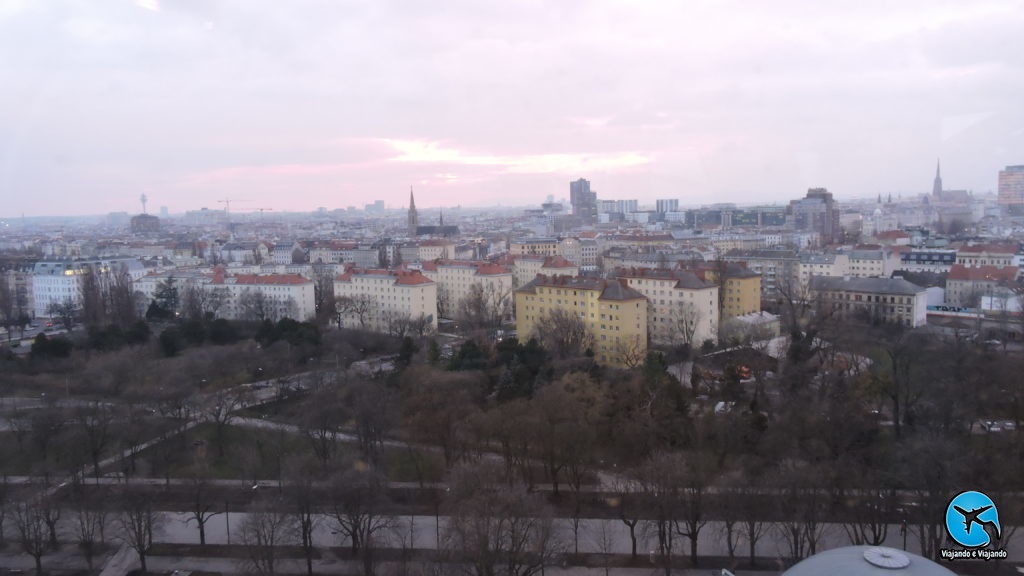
(421, 532)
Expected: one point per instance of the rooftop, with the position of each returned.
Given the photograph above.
(610, 289)
(894, 286)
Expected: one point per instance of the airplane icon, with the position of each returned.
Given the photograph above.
(990, 528)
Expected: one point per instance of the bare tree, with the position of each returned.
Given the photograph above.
(201, 508)
(51, 516)
(496, 528)
(194, 302)
(263, 531)
(254, 306)
(358, 501)
(563, 333)
(373, 407)
(90, 520)
(660, 478)
(748, 500)
(219, 407)
(686, 319)
(95, 419)
(627, 500)
(323, 294)
(604, 540)
(438, 406)
(631, 352)
(697, 477)
(302, 501)
(138, 522)
(323, 416)
(359, 306)
(32, 533)
(484, 308)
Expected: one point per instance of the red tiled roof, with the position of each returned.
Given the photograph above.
(557, 262)
(402, 277)
(280, 279)
(412, 278)
(491, 270)
(991, 248)
(436, 243)
(981, 273)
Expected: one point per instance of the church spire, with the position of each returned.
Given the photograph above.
(414, 219)
(937, 185)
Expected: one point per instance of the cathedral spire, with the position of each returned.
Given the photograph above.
(937, 185)
(414, 219)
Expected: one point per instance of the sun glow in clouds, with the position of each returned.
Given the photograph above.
(429, 152)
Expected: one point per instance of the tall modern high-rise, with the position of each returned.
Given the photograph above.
(667, 205)
(817, 212)
(414, 219)
(584, 202)
(1011, 190)
(937, 184)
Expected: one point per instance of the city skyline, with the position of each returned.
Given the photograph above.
(481, 105)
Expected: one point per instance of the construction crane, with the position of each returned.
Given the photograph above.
(227, 203)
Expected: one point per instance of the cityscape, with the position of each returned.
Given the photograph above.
(531, 290)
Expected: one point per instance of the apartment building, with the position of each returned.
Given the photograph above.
(817, 264)
(778, 269)
(534, 246)
(455, 280)
(966, 285)
(739, 287)
(372, 299)
(936, 261)
(330, 252)
(582, 251)
(265, 297)
(20, 286)
(526, 268)
(60, 281)
(882, 300)
(871, 263)
(245, 296)
(681, 307)
(435, 249)
(986, 255)
(614, 314)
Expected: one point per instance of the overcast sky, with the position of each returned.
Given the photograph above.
(295, 105)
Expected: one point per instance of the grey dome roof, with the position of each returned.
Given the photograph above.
(867, 561)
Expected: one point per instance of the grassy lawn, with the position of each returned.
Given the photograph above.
(66, 448)
(258, 454)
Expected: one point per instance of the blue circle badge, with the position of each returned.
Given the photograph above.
(972, 520)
